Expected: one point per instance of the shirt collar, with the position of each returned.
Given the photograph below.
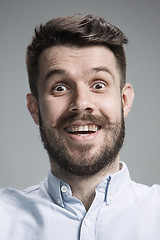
(118, 186)
(57, 189)
(113, 186)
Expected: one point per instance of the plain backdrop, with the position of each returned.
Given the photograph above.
(23, 162)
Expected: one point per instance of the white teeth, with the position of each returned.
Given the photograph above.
(81, 128)
(85, 128)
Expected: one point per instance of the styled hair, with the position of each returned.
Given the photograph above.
(74, 30)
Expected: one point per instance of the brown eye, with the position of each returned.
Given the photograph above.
(99, 85)
(60, 88)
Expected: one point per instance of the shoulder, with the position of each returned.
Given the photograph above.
(11, 195)
(21, 212)
(154, 191)
(6, 192)
(144, 188)
(16, 203)
(150, 194)
(16, 197)
(27, 197)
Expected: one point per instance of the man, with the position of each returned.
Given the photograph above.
(79, 98)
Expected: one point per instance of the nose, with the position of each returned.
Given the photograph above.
(81, 101)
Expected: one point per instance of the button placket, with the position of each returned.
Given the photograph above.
(110, 197)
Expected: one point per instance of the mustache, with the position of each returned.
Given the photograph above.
(64, 121)
(97, 120)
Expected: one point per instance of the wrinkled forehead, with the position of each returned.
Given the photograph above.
(77, 61)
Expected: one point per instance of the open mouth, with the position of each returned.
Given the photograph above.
(82, 129)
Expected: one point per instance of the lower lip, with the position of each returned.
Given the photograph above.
(83, 137)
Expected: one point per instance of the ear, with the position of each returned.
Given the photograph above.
(127, 98)
(32, 105)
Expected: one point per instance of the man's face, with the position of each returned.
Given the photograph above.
(80, 107)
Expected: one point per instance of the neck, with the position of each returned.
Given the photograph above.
(83, 188)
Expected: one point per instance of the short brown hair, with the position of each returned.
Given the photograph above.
(74, 30)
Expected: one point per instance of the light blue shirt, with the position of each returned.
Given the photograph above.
(121, 210)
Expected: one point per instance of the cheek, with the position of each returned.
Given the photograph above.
(111, 109)
(51, 112)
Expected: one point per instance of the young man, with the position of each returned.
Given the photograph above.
(79, 98)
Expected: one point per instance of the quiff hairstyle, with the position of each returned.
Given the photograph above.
(74, 30)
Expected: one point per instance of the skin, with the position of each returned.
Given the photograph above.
(80, 80)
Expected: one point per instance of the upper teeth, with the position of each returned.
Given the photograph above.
(81, 128)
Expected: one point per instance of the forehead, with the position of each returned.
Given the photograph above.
(77, 60)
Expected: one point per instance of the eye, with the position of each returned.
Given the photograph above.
(99, 85)
(59, 89)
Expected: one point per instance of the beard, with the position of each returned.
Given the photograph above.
(81, 164)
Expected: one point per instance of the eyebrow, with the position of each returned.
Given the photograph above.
(102, 69)
(53, 72)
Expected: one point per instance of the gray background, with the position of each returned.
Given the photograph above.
(23, 160)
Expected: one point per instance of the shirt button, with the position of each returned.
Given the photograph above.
(87, 222)
(64, 189)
